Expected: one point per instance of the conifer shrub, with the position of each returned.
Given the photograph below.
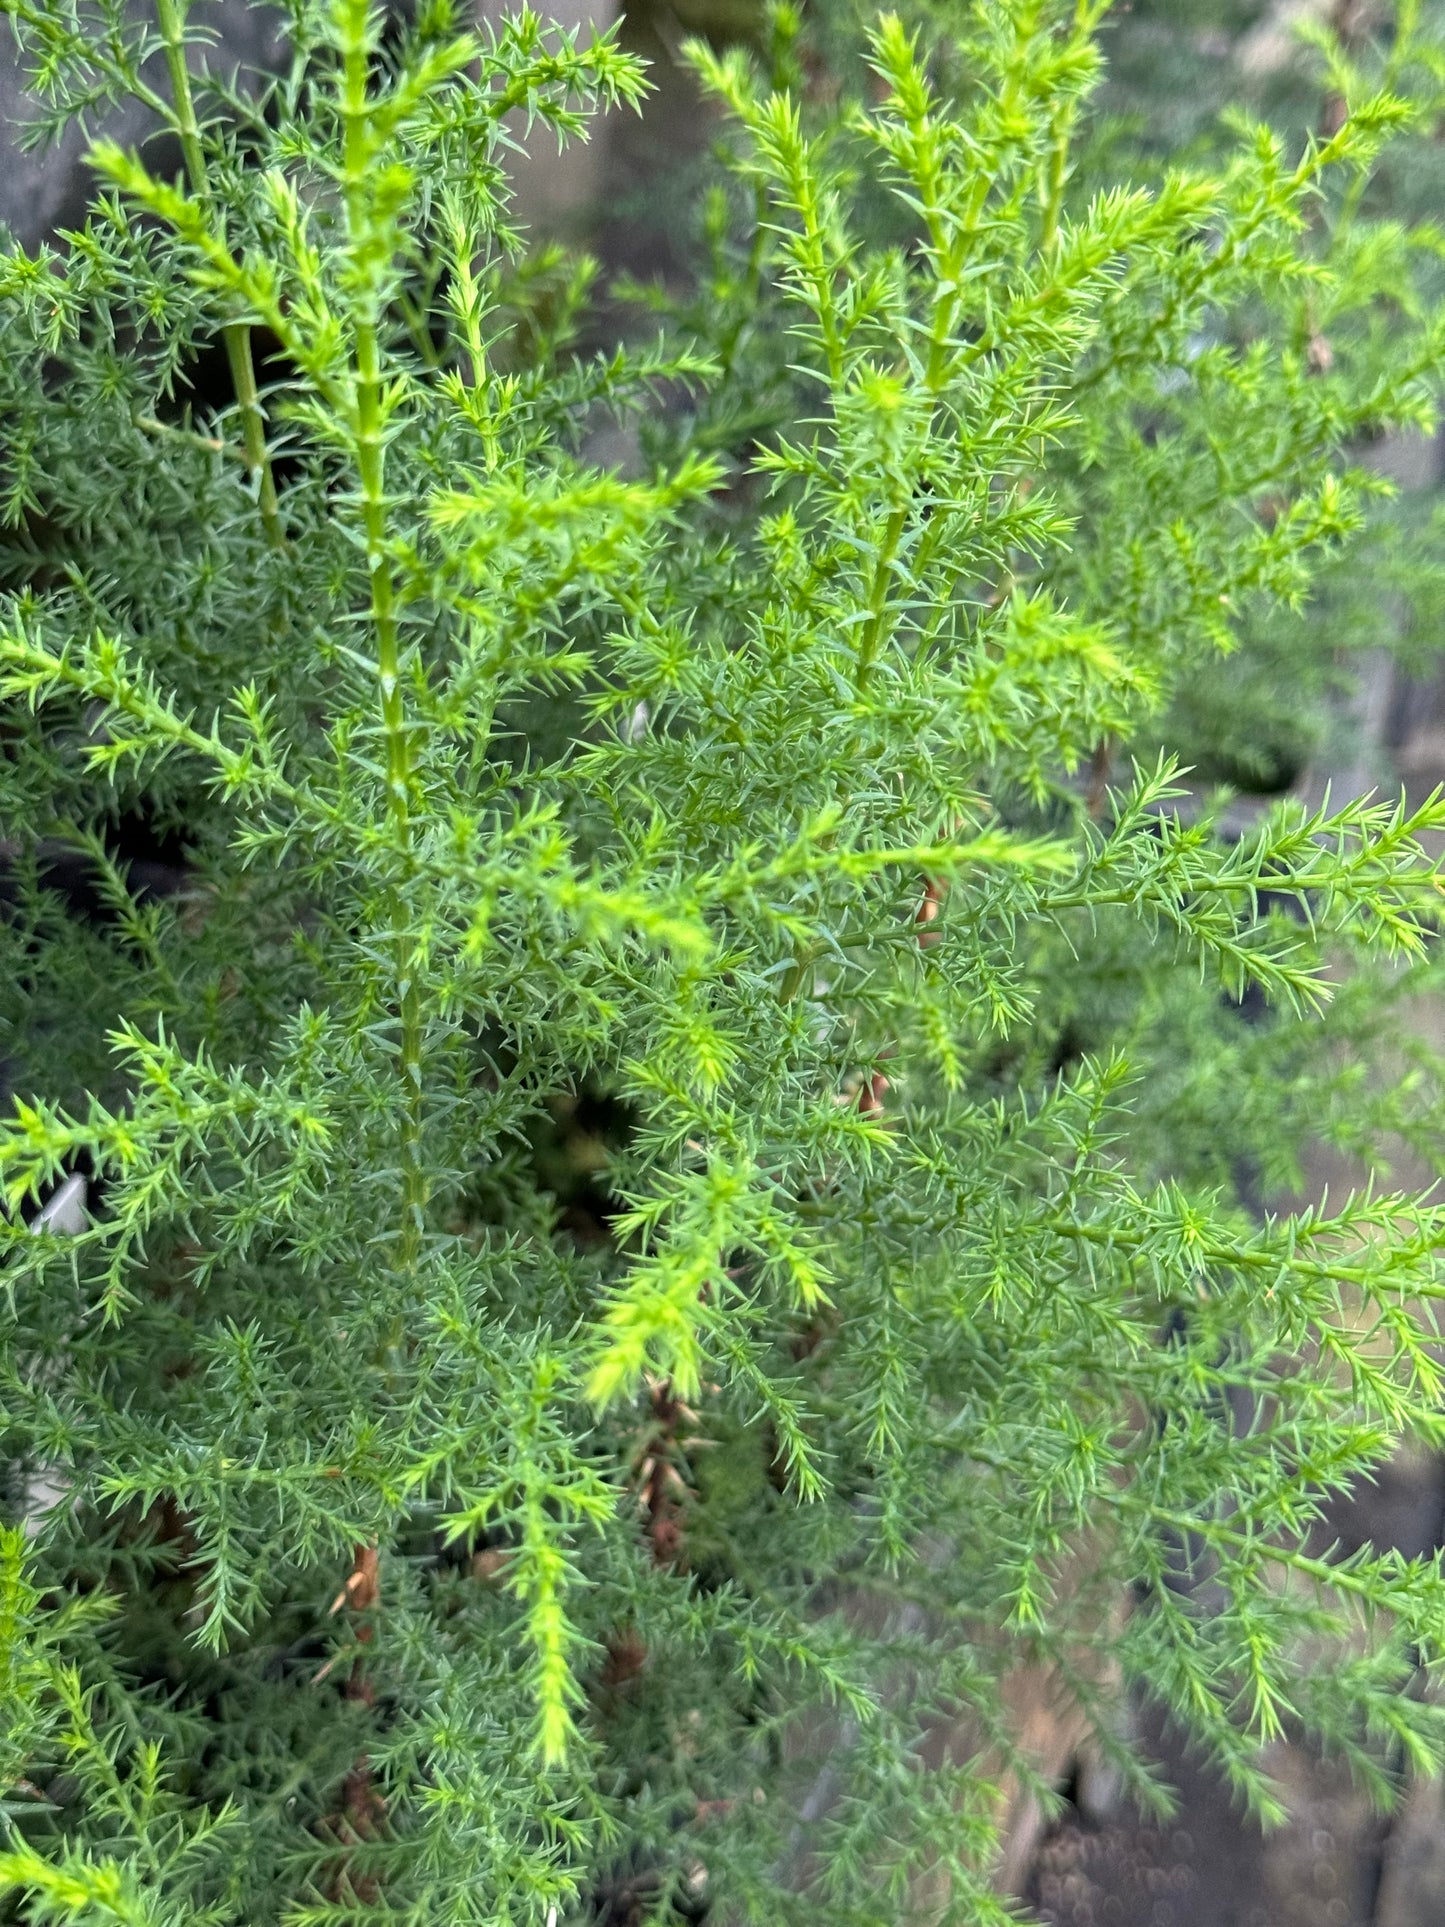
(678, 1186)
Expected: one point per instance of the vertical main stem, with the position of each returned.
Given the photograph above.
(371, 467)
(950, 250)
(1087, 14)
(873, 632)
(371, 462)
(236, 335)
(1055, 177)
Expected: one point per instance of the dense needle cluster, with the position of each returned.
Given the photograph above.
(679, 1190)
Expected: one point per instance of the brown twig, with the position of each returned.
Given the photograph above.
(662, 1495)
(661, 1489)
(363, 1808)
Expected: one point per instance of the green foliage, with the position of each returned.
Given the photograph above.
(1254, 717)
(669, 1195)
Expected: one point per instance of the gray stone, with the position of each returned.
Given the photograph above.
(1412, 1879)
(42, 190)
(45, 189)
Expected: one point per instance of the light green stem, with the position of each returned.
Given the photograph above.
(235, 334)
(1056, 175)
(877, 624)
(371, 467)
(1056, 171)
(950, 250)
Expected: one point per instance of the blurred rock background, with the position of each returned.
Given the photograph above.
(45, 189)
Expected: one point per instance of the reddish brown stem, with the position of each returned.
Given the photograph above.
(363, 1809)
